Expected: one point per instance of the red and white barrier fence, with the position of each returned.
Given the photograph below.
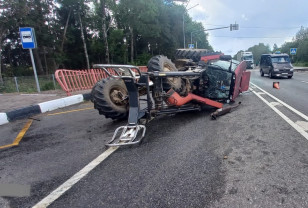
(76, 80)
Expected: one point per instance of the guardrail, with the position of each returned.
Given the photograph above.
(76, 80)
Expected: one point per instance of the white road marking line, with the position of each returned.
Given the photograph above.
(303, 124)
(304, 82)
(74, 179)
(289, 121)
(283, 103)
(275, 104)
(261, 93)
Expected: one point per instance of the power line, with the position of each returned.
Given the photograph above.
(257, 27)
(270, 27)
(251, 37)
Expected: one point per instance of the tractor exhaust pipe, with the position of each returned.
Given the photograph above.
(175, 99)
(223, 111)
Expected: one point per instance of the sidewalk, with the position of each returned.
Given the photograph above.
(13, 101)
(15, 106)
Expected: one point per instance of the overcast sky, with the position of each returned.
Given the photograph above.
(260, 21)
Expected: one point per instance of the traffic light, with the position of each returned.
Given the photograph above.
(234, 27)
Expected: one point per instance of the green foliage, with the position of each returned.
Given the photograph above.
(154, 26)
(142, 59)
(27, 84)
(302, 64)
(301, 43)
(47, 86)
(258, 50)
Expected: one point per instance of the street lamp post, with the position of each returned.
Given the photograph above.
(184, 25)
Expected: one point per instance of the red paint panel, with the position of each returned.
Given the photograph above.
(245, 81)
(208, 58)
(238, 76)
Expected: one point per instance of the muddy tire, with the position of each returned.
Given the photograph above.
(261, 73)
(163, 64)
(270, 75)
(110, 98)
(194, 54)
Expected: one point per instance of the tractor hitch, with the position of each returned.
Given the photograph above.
(128, 136)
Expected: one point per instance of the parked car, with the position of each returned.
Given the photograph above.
(276, 65)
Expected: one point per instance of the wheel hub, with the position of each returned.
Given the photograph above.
(118, 96)
(174, 81)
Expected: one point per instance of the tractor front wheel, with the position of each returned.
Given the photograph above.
(110, 98)
(163, 64)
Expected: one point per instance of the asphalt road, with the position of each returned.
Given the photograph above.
(292, 91)
(248, 158)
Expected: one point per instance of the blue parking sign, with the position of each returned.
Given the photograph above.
(293, 51)
(27, 37)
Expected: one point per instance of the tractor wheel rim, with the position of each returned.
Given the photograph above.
(118, 96)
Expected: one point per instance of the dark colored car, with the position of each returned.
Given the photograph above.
(276, 65)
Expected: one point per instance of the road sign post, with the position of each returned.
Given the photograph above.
(28, 40)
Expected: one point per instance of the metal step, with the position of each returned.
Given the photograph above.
(128, 136)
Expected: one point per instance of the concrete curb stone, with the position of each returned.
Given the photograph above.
(6, 117)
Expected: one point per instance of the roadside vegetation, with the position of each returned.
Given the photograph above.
(74, 34)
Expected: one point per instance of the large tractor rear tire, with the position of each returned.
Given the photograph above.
(194, 54)
(110, 98)
(163, 64)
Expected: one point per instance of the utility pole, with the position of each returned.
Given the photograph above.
(184, 44)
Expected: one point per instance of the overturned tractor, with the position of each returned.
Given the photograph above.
(203, 79)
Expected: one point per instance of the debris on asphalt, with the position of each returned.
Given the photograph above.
(223, 111)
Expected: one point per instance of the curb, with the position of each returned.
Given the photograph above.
(301, 70)
(42, 107)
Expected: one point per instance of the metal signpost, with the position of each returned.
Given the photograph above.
(28, 40)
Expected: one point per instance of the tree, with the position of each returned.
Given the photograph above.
(10, 14)
(74, 33)
(258, 50)
(275, 48)
(104, 29)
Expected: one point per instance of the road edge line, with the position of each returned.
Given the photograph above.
(53, 196)
(289, 121)
(283, 103)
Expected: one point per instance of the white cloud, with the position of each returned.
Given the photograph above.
(269, 21)
(244, 17)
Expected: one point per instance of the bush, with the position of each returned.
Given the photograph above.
(142, 59)
(302, 64)
(48, 86)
